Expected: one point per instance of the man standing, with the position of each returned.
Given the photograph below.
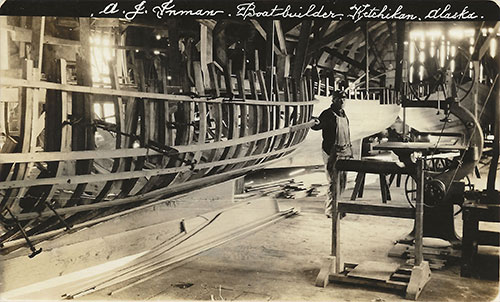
(336, 143)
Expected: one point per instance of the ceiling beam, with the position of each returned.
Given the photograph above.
(349, 60)
(333, 36)
(400, 37)
(302, 50)
(263, 33)
(281, 36)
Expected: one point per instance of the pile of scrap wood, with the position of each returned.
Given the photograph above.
(313, 191)
(288, 188)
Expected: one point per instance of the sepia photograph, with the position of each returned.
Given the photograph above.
(256, 151)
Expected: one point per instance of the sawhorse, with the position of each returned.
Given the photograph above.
(410, 279)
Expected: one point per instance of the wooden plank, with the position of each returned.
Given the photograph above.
(420, 146)
(230, 151)
(63, 130)
(215, 111)
(118, 110)
(90, 178)
(213, 79)
(83, 135)
(26, 109)
(188, 111)
(264, 91)
(264, 35)
(271, 109)
(301, 50)
(350, 61)
(228, 82)
(253, 88)
(280, 140)
(135, 152)
(255, 113)
(374, 270)
(333, 36)
(370, 166)
(377, 210)
(4, 40)
(265, 117)
(392, 285)
(11, 82)
(400, 48)
(488, 213)
(21, 171)
(287, 122)
(198, 78)
(131, 121)
(281, 37)
(243, 148)
(419, 213)
(206, 56)
(37, 38)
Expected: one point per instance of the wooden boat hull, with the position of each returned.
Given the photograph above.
(366, 117)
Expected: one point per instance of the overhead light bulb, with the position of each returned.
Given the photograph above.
(442, 55)
(421, 57)
(412, 52)
(453, 51)
(493, 47)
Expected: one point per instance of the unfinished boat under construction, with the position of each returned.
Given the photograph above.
(96, 124)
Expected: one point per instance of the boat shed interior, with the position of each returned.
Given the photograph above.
(179, 159)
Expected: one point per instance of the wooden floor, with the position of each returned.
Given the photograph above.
(281, 263)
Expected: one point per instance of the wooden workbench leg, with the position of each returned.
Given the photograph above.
(336, 221)
(383, 187)
(421, 272)
(327, 268)
(357, 185)
(469, 243)
(331, 265)
(362, 186)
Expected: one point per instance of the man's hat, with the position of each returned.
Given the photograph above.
(338, 94)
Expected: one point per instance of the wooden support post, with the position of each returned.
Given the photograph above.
(493, 171)
(270, 58)
(4, 41)
(301, 51)
(212, 71)
(332, 264)
(367, 70)
(198, 78)
(82, 132)
(174, 55)
(469, 241)
(335, 187)
(37, 38)
(400, 37)
(206, 57)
